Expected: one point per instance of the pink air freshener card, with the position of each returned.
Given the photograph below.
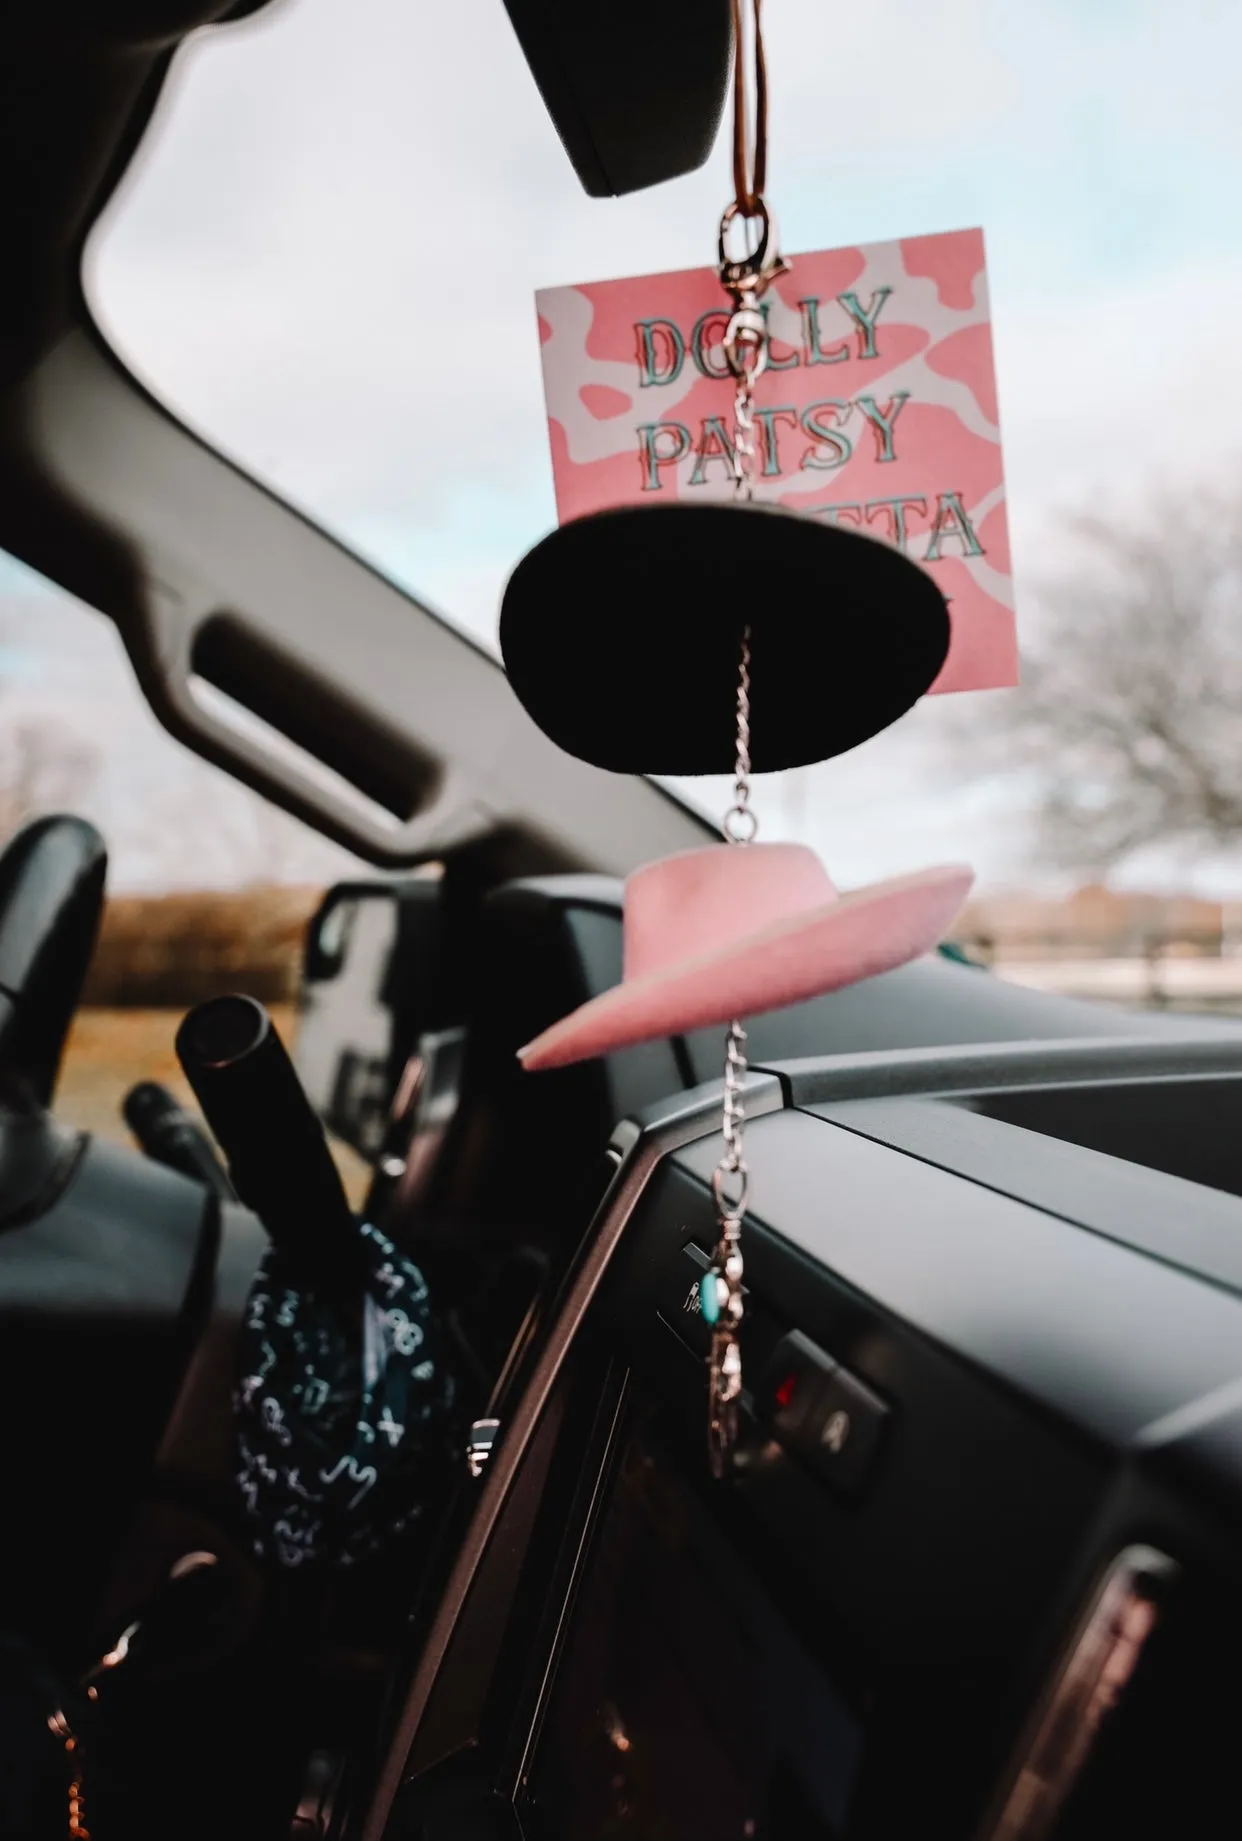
(877, 409)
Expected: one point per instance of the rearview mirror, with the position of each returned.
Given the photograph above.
(635, 88)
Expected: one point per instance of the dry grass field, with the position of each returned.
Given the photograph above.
(170, 951)
(110, 1050)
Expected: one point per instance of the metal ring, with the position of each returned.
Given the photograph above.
(731, 821)
(735, 274)
(730, 1210)
(745, 343)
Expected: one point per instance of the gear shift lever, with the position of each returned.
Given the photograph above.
(345, 1407)
(277, 1154)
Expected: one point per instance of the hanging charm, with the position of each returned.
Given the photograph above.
(845, 632)
(848, 630)
(745, 348)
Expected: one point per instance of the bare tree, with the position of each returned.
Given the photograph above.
(44, 766)
(280, 847)
(1128, 722)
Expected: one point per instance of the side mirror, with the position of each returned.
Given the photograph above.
(373, 951)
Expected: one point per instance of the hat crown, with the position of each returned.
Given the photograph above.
(702, 900)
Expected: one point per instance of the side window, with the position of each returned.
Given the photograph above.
(209, 886)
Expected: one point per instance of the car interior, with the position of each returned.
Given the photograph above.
(975, 1572)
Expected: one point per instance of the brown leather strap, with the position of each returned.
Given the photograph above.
(749, 171)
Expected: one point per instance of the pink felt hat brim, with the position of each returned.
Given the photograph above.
(854, 936)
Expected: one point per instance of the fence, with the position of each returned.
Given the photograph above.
(1151, 969)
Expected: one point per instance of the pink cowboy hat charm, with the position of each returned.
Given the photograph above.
(730, 931)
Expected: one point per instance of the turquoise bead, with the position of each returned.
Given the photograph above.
(709, 1296)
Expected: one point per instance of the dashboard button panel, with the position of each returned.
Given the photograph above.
(791, 1385)
(842, 1436)
(821, 1412)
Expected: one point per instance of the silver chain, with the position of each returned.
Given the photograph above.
(744, 430)
(746, 351)
(745, 348)
(740, 822)
(745, 278)
(731, 1177)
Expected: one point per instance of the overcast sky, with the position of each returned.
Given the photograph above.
(326, 255)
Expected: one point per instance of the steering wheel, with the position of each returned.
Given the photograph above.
(51, 899)
(106, 1263)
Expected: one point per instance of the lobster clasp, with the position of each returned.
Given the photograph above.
(748, 276)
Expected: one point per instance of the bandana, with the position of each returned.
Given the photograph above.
(344, 1426)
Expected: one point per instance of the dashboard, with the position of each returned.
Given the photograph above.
(977, 1575)
(974, 1574)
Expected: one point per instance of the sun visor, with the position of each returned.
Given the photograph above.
(635, 88)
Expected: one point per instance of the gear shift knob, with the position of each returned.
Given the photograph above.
(277, 1153)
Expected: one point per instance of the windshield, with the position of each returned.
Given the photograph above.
(325, 260)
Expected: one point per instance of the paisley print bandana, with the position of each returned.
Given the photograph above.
(344, 1426)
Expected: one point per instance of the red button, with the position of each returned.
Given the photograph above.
(791, 1381)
